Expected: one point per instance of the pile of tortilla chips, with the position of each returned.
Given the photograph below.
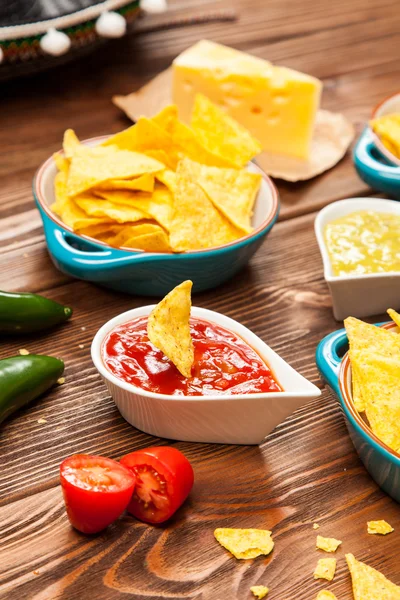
(375, 362)
(161, 186)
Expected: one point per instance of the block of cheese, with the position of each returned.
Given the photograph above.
(277, 105)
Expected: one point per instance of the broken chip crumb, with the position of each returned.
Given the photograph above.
(315, 526)
(325, 595)
(245, 543)
(42, 421)
(325, 569)
(23, 352)
(36, 572)
(61, 380)
(327, 544)
(81, 345)
(83, 328)
(379, 527)
(259, 591)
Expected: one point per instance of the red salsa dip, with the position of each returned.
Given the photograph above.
(223, 362)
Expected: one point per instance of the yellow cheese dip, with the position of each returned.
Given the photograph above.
(364, 242)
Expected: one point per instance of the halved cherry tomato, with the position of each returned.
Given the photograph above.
(164, 478)
(96, 490)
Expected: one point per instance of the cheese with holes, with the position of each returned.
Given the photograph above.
(277, 105)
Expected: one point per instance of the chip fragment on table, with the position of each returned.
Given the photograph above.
(325, 569)
(370, 584)
(325, 595)
(259, 591)
(327, 544)
(245, 543)
(379, 527)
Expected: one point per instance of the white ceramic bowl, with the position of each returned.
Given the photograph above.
(358, 295)
(388, 106)
(235, 419)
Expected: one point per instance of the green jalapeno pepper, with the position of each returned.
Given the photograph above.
(24, 378)
(26, 313)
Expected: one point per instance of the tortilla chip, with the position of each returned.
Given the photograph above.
(62, 163)
(387, 127)
(71, 143)
(325, 595)
(325, 569)
(359, 401)
(187, 140)
(363, 336)
(379, 527)
(102, 229)
(259, 591)
(92, 166)
(158, 205)
(162, 157)
(167, 114)
(196, 223)
(169, 330)
(128, 231)
(222, 135)
(109, 210)
(381, 390)
(156, 241)
(369, 584)
(73, 216)
(143, 183)
(146, 136)
(365, 341)
(168, 178)
(245, 543)
(394, 316)
(60, 191)
(327, 544)
(231, 191)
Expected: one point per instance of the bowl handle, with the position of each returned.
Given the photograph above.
(329, 355)
(373, 168)
(78, 253)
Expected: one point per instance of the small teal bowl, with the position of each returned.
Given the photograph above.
(374, 163)
(382, 463)
(144, 273)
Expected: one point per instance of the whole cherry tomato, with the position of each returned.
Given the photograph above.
(96, 490)
(164, 478)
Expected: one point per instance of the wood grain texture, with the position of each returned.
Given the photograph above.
(307, 469)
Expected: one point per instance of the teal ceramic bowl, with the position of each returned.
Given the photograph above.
(144, 273)
(382, 463)
(374, 163)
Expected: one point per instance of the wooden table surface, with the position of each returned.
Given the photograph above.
(307, 469)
